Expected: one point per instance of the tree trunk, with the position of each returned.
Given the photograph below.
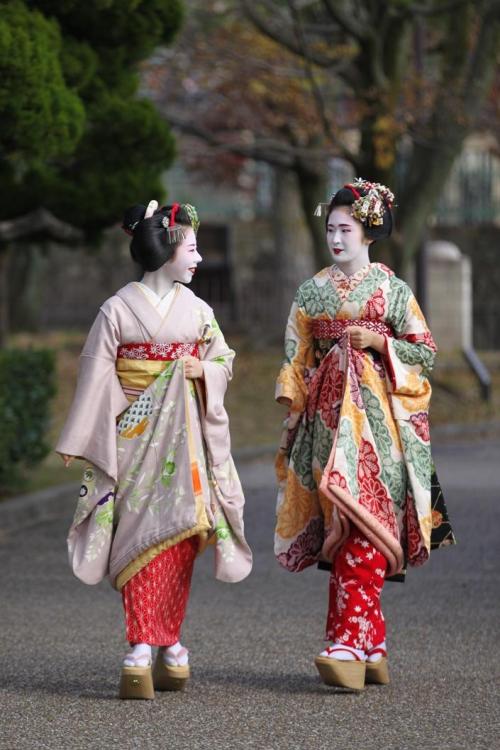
(313, 186)
(4, 298)
(293, 250)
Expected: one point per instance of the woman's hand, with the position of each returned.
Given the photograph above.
(67, 459)
(193, 368)
(363, 338)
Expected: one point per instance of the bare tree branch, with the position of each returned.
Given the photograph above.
(316, 91)
(40, 221)
(481, 71)
(347, 23)
(423, 10)
(272, 151)
(277, 31)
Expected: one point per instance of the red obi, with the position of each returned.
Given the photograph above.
(155, 351)
(335, 329)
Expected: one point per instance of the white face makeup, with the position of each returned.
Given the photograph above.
(182, 266)
(346, 240)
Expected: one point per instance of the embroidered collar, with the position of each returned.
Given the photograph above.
(344, 284)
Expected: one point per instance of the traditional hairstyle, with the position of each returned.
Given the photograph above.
(369, 202)
(156, 237)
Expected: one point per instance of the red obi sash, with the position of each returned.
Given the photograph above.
(335, 329)
(155, 351)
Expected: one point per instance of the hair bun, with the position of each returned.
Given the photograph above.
(132, 217)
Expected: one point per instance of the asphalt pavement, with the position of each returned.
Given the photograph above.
(254, 684)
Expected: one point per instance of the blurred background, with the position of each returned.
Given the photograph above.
(254, 111)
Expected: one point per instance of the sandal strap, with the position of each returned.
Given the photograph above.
(347, 649)
(175, 657)
(135, 659)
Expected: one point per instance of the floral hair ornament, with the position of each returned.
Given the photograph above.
(174, 233)
(193, 216)
(369, 209)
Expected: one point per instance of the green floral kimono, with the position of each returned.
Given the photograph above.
(356, 447)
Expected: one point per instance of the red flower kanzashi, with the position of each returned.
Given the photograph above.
(375, 307)
(420, 422)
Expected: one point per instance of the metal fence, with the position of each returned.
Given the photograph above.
(472, 192)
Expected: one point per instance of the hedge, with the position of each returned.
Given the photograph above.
(27, 383)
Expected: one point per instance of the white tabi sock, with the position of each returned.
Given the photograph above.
(140, 656)
(176, 655)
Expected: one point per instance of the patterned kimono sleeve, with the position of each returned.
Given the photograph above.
(217, 361)
(216, 356)
(410, 355)
(90, 429)
(299, 356)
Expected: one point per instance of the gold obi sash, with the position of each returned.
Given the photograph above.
(138, 364)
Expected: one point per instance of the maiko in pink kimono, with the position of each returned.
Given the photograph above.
(148, 418)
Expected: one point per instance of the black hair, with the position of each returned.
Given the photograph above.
(345, 197)
(151, 244)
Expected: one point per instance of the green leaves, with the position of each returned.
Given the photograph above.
(121, 157)
(75, 137)
(41, 116)
(26, 387)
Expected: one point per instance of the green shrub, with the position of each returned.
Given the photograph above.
(26, 387)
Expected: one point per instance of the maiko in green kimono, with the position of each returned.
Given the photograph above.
(357, 485)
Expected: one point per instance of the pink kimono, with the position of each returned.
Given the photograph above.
(157, 444)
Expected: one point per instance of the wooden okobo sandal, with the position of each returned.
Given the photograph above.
(377, 672)
(170, 677)
(136, 682)
(340, 673)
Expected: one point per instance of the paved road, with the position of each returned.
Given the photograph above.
(254, 684)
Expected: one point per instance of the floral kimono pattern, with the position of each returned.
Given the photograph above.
(356, 444)
(157, 444)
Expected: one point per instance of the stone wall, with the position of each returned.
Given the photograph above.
(449, 296)
(481, 244)
(59, 287)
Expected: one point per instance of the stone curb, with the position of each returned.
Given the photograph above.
(34, 507)
(37, 506)
(474, 429)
